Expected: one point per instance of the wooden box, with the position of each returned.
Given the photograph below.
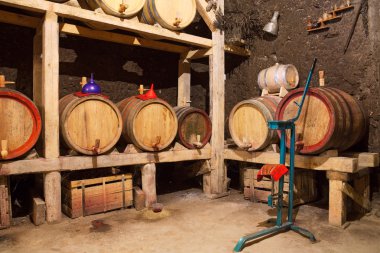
(305, 186)
(97, 195)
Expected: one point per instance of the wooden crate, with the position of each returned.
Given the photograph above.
(97, 195)
(305, 186)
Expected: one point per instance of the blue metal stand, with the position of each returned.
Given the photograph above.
(288, 225)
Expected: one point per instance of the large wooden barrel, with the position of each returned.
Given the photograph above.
(20, 124)
(90, 125)
(330, 119)
(248, 122)
(173, 15)
(278, 76)
(118, 8)
(194, 127)
(150, 125)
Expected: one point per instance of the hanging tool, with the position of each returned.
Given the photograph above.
(353, 26)
(278, 169)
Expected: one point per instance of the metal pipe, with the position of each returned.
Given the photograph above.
(305, 90)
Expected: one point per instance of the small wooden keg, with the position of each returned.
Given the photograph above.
(20, 123)
(172, 15)
(90, 125)
(150, 125)
(248, 122)
(278, 76)
(194, 127)
(330, 119)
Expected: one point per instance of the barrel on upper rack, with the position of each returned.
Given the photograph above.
(118, 8)
(248, 122)
(20, 124)
(277, 76)
(330, 119)
(90, 125)
(172, 15)
(194, 127)
(150, 125)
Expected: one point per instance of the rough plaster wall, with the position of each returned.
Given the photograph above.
(356, 72)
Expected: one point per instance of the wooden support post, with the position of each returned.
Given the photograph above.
(337, 203)
(218, 171)
(46, 97)
(5, 210)
(362, 187)
(184, 80)
(138, 198)
(148, 176)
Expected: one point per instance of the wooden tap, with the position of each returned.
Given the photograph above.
(4, 149)
(83, 81)
(198, 143)
(123, 7)
(321, 78)
(3, 82)
(246, 144)
(177, 22)
(96, 148)
(141, 89)
(156, 145)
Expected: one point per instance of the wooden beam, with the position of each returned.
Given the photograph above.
(340, 164)
(218, 175)
(362, 187)
(81, 31)
(18, 19)
(365, 159)
(83, 15)
(73, 163)
(202, 53)
(184, 81)
(208, 16)
(350, 192)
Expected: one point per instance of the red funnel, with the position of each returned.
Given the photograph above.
(150, 94)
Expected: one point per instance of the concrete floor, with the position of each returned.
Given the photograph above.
(192, 223)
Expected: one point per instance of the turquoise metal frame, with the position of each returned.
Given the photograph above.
(282, 126)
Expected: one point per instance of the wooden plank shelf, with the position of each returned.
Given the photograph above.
(352, 164)
(74, 163)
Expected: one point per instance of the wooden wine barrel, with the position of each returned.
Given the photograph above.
(20, 124)
(248, 122)
(173, 15)
(150, 125)
(194, 127)
(330, 119)
(90, 125)
(278, 76)
(118, 8)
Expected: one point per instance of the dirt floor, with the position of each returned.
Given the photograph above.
(192, 223)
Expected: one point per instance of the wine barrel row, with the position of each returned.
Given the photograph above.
(330, 119)
(172, 15)
(248, 122)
